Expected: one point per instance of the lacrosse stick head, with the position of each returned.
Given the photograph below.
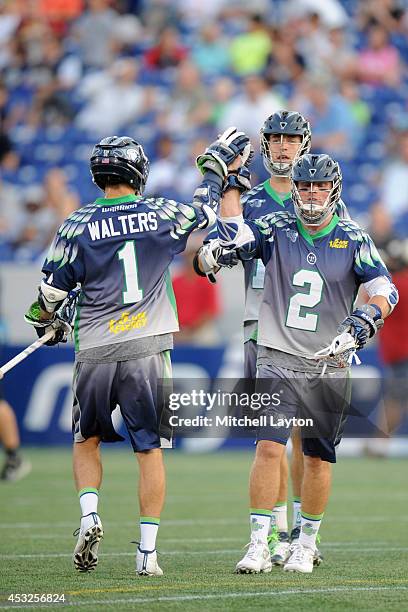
(340, 352)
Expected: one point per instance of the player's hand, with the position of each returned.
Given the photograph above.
(211, 257)
(363, 324)
(60, 321)
(229, 146)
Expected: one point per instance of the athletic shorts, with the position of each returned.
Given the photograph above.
(304, 395)
(139, 386)
(250, 356)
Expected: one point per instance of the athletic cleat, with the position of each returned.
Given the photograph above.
(257, 559)
(317, 557)
(86, 551)
(300, 560)
(15, 468)
(279, 544)
(294, 534)
(146, 563)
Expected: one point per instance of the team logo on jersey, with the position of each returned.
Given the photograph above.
(125, 323)
(338, 244)
(292, 234)
(256, 203)
(311, 259)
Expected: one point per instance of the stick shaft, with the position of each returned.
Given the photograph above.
(26, 352)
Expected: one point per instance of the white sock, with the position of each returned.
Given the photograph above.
(88, 498)
(309, 530)
(296, 514)
(149, 526)
(279, 518)
(260, 521)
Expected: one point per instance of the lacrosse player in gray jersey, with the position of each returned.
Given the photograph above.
(314, 263)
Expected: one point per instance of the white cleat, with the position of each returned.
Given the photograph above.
(146, 563)
(256, 560)
(89, 535)
(300, 560)
(280, 553)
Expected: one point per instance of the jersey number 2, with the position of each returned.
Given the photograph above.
(132, 292)
(296, 317)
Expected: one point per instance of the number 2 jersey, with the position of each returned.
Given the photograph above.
(311, 281)
(119, 250)
(262, 200)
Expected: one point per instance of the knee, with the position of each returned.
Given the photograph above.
(315, 464)
(269, 451)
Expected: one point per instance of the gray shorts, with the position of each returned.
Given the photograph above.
(304, 395)
(250, 356)
(139, 386)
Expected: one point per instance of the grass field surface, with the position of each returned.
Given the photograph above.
(203, 530)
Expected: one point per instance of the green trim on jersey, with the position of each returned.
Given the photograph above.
(112, 201)
(170, 293)
(76, 322)
(275, 195)
(310, 238)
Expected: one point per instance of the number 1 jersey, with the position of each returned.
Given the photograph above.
(119, 251)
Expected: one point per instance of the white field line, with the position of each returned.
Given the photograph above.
(197, 552)
(195, 522)
(218, 596)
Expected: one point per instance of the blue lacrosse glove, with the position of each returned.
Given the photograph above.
(363, 323)
(60, 321)
(221, 153)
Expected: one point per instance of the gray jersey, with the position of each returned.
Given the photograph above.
(311, 281)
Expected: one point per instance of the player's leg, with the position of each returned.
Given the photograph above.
(15, 466)
(91, 418)
(152, 489)
(315, 495)
(330, 401)
(278, 539)
(143, 404)
(296, 473)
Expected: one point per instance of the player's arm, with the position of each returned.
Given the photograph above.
(63, 271)
(365, 321)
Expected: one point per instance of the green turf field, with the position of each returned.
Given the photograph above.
(204, 527)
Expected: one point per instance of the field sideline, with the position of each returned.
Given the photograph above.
(204, 528)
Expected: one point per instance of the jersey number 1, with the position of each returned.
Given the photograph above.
(132, 292)
(295, 317)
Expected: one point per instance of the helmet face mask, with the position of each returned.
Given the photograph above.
(316, 188)
(281, 128)
(119, 160)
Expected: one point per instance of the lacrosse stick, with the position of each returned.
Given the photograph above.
(65, 315)
(26, 352)
(341, 352)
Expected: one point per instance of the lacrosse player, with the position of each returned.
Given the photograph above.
(284, 137)
(314, 265)
(119, 249)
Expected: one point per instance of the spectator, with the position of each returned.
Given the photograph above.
(394, 184)
(114, 98)
(249, 109)
(93, 32)
(164, 171)
(210, 53)
(285, 64)
(378, 64)
(330, 115)
(388, 13)
(168, 53)
(197, 300)
(36, 225)
(249, 51)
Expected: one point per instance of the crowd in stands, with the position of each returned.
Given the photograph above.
(172, 74)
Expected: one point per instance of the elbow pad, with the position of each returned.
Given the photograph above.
(50, 298)
(383, 286)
